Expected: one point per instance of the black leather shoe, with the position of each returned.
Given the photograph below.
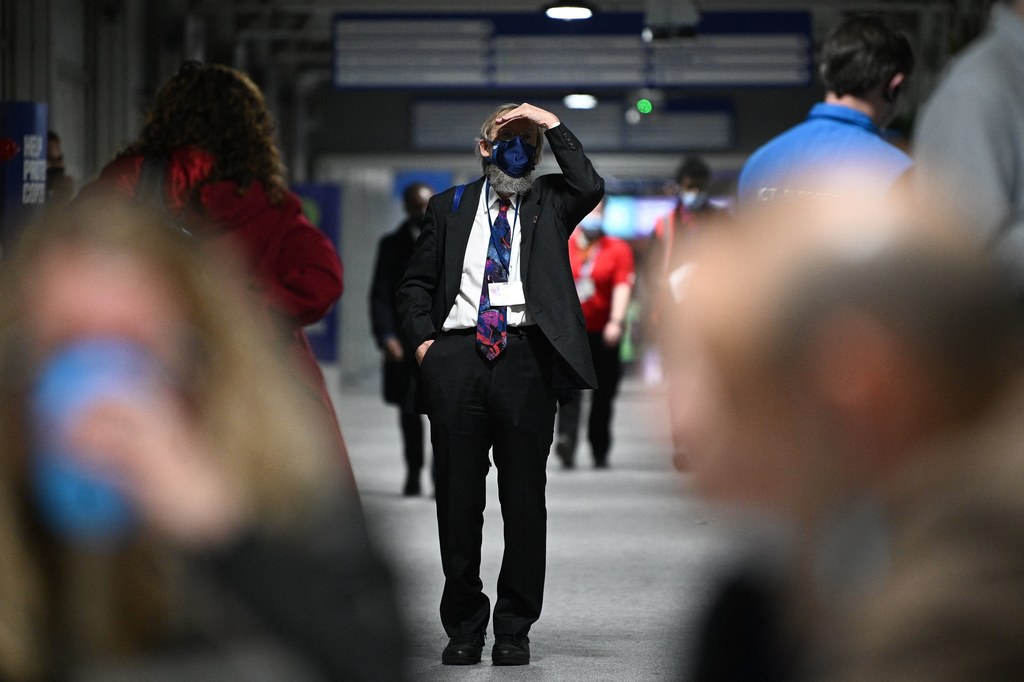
(412, 485)
(565, 449)
(463, 649)
(511, 650)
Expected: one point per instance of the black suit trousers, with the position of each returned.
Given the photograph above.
(608, 367)
(474, 406)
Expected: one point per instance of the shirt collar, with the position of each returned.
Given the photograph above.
(493, 198)
(838, 112)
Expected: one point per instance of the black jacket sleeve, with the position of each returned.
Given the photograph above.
(382, 291)
(582, 188)
(422, 281)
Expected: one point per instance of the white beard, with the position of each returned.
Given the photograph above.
(503, 183)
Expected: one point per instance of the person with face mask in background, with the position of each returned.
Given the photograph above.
(666, 264)
(674, 232)
(603, 269)
(489, 303)
(393, 253)
(60, 187)
(171, 506)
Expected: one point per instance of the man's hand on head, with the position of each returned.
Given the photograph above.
(544, 119)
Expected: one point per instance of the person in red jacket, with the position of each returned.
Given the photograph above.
(603, 269)
(223, 178)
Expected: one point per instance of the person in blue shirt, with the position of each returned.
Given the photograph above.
(865, 62)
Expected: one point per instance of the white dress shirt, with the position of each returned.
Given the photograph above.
(464, 313)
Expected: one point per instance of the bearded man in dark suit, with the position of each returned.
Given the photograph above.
(489, 303)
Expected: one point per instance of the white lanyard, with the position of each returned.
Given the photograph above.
(587, 266)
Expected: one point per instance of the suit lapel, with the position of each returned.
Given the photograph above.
(460, 224)
(529, 214)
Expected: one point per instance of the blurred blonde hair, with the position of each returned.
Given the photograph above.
(244, 397)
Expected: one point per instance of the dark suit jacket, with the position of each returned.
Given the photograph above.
(549, 212)
(393, 254)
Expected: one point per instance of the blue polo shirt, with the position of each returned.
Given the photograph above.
(833, 137)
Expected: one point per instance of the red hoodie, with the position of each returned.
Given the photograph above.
(295, 270)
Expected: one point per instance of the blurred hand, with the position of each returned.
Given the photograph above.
(393, 349)
(422, 350)
(167, 468)
(612, 333)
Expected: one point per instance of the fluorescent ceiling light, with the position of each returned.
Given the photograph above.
(570, 11)
(579, 101)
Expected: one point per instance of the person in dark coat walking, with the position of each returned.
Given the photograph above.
(393, 253)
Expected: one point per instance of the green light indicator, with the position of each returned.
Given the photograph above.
(644, 106)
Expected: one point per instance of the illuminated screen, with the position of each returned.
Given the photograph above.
(630, 217)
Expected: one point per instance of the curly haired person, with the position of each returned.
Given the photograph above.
(223, 177)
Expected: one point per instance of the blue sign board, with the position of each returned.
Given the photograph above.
(322, 205)
(23, 127)
(438, 180)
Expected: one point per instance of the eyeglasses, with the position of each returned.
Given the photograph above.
(517, 128)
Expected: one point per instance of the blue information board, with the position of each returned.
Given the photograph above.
(322, 205)
(23, 127)
(438, 180)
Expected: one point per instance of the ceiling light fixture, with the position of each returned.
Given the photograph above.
(665, 19)
(579, 101)
(569, 11)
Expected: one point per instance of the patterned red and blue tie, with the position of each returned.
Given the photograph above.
(491, 333)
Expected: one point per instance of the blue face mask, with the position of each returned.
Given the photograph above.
(513, 156)
(76, 503)
(693, 199)
(592, 226)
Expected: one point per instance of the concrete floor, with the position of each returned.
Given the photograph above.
(629, 549)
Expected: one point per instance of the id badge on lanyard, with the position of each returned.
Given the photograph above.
(585, 287)
(506, 293)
